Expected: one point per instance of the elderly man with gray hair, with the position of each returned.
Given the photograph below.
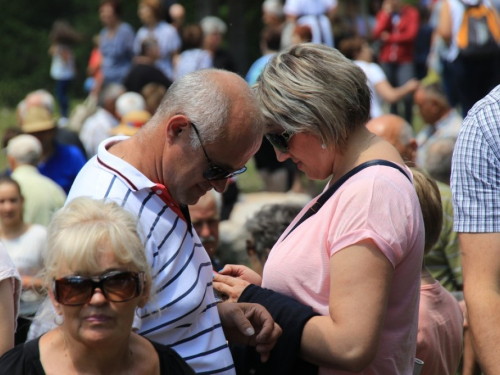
(214, 30)
(97, 127)
(42, 196)
(438, 159)
(203, 133)
(442, 120)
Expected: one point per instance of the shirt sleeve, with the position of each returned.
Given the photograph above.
(476, 172)
(377, 75)
(382, 207)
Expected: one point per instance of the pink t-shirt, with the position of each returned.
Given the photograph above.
(378, 203)
(440, 327)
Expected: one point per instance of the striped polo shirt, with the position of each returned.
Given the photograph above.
(182, 311)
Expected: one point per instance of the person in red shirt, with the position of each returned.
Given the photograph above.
(396, 27)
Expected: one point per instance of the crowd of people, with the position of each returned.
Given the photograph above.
(109, 217)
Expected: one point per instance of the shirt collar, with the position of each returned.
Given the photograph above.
(134, 178)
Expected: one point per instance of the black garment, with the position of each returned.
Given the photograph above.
(25, 360)
(23, 326)
(142, 74)
(224, 60)
(292, 316)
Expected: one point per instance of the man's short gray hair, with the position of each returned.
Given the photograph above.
(46, 99)
(406, 134)
(25, 149)
(111, 92)
(200, 98)
(212, 24)
(273, 7)
(436, 90)
(438, 157)
(315, 89)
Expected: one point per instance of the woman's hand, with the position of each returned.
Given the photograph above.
(243, 273)
(230, 287)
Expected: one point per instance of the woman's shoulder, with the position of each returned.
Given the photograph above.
(171, 362)
(24, 359)
(383, 171)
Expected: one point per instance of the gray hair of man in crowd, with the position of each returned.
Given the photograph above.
(406, 134)
(438, 158)
(24, 149)
(199, 97)
(36, 98)
(110, 93)
(212, 24)
(436, 91)
(273, 7)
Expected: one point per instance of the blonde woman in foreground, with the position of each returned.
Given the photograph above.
(96, 275)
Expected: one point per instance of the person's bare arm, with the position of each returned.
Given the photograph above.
(481, 272)
(349, 338)
(6, 316)
(394, 94)
(444, 26)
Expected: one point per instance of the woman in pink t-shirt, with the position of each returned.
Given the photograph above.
(356, 261)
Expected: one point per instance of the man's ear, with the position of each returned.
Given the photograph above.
(12, 162)
(176, 127)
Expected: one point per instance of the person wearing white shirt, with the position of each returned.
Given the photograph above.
(358, 49)
(314, 13)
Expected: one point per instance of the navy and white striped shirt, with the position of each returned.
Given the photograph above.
(475, 176)
(182, 312)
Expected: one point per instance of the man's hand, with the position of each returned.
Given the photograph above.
(243, 273)
(229, 286)
(250, 324)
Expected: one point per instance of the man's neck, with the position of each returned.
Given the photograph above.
(142, 158)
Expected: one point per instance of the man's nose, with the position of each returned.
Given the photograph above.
(219, 185)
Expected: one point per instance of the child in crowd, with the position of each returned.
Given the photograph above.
(440, 321)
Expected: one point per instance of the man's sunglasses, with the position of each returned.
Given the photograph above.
(117, 286)
(214, 172)
(280, 141)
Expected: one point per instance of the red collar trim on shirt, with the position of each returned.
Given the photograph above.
(165, 196)
(118, 173)
(159, 190)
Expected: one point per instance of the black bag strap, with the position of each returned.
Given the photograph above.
(332, 189)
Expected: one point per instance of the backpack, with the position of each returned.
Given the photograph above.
(479, 33)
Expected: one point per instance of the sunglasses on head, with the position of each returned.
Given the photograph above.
(280, 141)
(117, 286)
(214, 172)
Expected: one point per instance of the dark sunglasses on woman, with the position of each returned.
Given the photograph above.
(117, 286)
(280, 141)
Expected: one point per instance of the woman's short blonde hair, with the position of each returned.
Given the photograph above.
(86, 228)
(430, 203)
(315, 89)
